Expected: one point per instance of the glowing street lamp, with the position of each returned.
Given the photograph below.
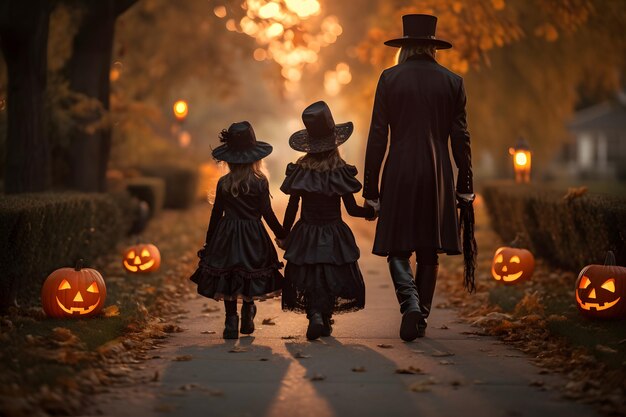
(521, 160)
(180, 110)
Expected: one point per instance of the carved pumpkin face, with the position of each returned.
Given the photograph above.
(512, 265)
(601, 291)
(73, 292)
(142, 258)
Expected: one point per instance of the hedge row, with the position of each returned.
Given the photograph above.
(42, 232)
(181, 183)
(568, 232)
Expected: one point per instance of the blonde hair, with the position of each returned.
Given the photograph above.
(322, 161)
(242, 176)
(416, 49)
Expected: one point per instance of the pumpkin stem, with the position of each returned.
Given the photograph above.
(79, 265)
(610, 258)
(517, 242)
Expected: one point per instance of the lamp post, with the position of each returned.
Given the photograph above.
(181, 109)
(521, 160)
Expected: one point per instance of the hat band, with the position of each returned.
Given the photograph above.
(421, 37)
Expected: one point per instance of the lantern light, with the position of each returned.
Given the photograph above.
(521, 160)
(180, 110)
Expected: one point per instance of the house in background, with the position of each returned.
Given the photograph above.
(598, 148)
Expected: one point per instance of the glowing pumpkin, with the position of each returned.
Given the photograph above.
(512, 265)
(601, 290)
(142, 258)
(73, 292)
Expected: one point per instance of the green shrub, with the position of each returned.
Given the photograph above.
(42, 232)
(570, 233)
(181, 183)
(148, 189)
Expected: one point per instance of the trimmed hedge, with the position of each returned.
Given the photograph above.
(181, 183)
(148, 189)
(42, 232)
(570, 233)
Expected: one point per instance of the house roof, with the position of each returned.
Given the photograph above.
(603, 116)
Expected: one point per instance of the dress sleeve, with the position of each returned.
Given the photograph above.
(216, 214)
(269, 216)
(290, 213)
(354, 209)
(376, 143)
(460, 141)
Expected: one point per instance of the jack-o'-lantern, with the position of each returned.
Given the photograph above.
(142, 258)
(73, 292)
(601, 290)
(512, 265)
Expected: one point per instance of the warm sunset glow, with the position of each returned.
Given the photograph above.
(220, 11)
(181, 109)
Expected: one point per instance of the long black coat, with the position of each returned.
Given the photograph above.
(423, 103)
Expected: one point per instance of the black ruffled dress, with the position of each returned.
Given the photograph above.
(322, 272)
(239, 259)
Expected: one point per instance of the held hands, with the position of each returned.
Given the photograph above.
(464, 199)
(280, 243)
(375, 204)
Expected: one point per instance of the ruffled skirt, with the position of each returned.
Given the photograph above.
(322, 273)
(240, 262)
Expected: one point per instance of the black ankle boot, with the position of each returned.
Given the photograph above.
(231, 327)
(328, 327)
(425, 281)
(248, 311)
(316, 326)
(406, 292)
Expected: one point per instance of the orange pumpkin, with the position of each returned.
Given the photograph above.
(601, 290)
(141, 258)
(512, 265)
(73, 292)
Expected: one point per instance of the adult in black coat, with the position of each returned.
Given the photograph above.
(424, 104)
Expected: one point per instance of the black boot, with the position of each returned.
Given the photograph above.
(406, 292)
(425, 280)
(316, 326)
(328, 325)
(231, 327)
(248, 311)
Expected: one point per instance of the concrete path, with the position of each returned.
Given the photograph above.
(276, 372)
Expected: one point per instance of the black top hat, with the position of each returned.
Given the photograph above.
(240, 145)
(419, 29)
(321, 133)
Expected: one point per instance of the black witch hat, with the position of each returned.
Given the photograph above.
(321, 133)
(240, 145)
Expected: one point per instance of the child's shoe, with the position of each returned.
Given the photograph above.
(231, 325)
(328, 325)
(316, 326)
(248, 311)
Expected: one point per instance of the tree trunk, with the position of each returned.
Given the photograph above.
(24, 40)
(89, 69)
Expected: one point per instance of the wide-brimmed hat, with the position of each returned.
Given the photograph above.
(321, 133)
(419, 29)
(240, 145)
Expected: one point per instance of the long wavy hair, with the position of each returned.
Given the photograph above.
(241, 177)
(322, 161)
(409, 50)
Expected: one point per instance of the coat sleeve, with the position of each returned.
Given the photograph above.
(216, 214)
(376, 143)
(269, 216)
(460, 140)
(354, 209)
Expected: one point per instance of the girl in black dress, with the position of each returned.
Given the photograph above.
(322, 275)
(238, 259)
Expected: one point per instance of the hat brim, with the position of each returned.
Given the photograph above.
(400, 42)
(302, 141)
(246, 156)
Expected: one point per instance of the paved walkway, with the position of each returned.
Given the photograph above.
(276, 372)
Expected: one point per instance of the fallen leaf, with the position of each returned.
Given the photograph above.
(172, 328)
(318, 377)
(238, 349)
(300, 355)
(411, 370)
(444, 327)
(384, 346)
(422, 386)
(111, 311)
(358, 369)
(208, 332)
(269, 321)
(183, 358)
(444, 362)
(264, 359)
(289, 337)
(439, 354)
(605, 349)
